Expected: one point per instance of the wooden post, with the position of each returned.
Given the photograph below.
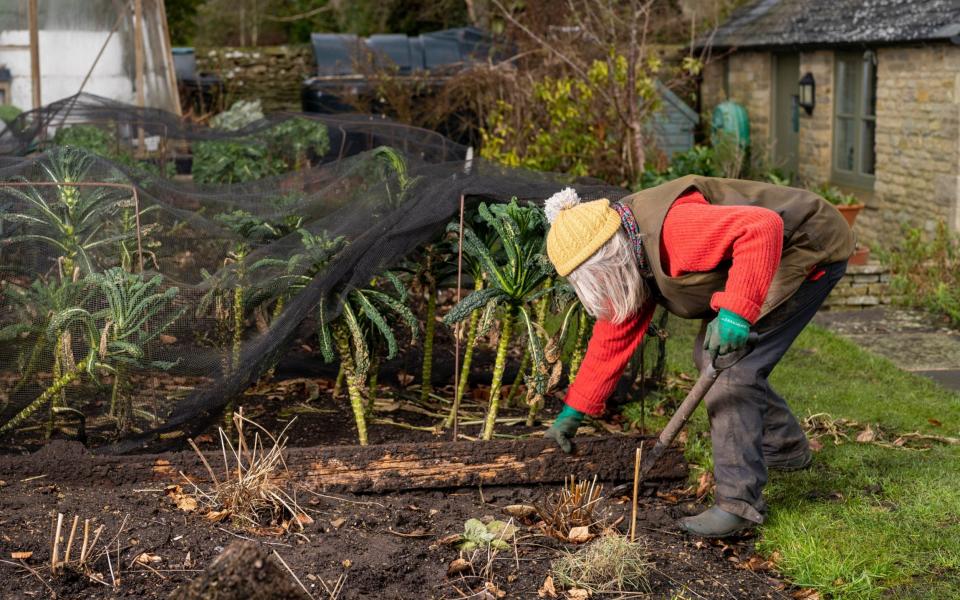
(138, 63)
(138, 49)
(168, 56)
(34, 52)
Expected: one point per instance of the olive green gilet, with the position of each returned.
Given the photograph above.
(814, 233)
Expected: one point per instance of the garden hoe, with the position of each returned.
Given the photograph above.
(706, 380)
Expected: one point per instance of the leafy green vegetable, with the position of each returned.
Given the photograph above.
(495, 535)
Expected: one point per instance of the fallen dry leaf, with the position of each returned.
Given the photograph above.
(338, 523)
(147, 558)
(419, 532)
(304, 519)
(578, 594)
(217, 515)
(21, 555)
(935, 422)
(180, 499)
(815, 445)
(457, 566)
(547, 590)
(167, 339)
(757, 564)
(705, 484)
(668, 497)
(578, 535)
(449, 540)
(404, 378)
(806, 594)
(867, 435)
(267, 531)
(520, 511)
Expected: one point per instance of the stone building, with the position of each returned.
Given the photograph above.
(885, 121)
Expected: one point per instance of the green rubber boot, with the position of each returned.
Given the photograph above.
(715, 523)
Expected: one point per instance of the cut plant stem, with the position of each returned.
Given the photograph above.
(430, 327)
(56, 387)
(354, 385)
(506, 326)
(73, 533)
(55, 553)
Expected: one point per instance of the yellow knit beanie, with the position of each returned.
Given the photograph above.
(577, 230)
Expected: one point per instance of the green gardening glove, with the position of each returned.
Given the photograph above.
(727, 333)
(565, 427)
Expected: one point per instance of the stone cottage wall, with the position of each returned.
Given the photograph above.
(271, 73)
(918, 134)
(816, 130)
(712, 90)
(749, 84)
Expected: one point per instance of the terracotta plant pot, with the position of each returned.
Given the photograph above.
(860, 256)
(850, 212)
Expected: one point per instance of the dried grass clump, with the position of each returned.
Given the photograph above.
(252, 491)
(576, 505)
(612, 563)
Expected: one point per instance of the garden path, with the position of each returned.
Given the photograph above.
(912, 340)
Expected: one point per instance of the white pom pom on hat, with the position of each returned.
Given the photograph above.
(562, 200)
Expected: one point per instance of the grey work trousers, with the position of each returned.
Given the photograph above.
(749, 421)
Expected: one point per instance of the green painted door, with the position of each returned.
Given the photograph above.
(786, 112)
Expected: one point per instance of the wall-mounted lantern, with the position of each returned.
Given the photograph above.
(5, 79)
(808, 97)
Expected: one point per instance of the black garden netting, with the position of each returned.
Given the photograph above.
(137, 248)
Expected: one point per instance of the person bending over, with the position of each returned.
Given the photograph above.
(741, 255)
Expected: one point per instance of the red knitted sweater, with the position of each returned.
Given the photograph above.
(697, 236)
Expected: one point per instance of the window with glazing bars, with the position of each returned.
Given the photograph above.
(855, 119)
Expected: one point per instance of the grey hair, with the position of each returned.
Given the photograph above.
(609, 283)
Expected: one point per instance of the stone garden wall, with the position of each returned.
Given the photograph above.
(271, 73)
(862, 287)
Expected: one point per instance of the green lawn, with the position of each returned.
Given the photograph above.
(864, 521)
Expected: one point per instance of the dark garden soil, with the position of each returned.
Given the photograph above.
(385, 546)
(389, 545)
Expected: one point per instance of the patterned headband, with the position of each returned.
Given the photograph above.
(629, 224)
